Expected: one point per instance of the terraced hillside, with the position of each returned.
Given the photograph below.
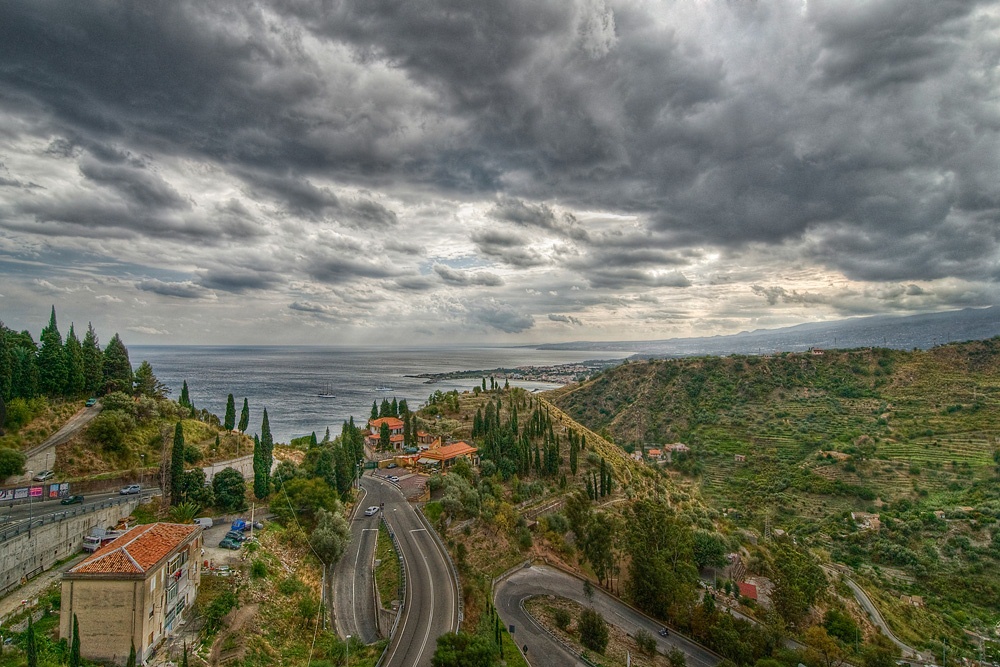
(819, 430)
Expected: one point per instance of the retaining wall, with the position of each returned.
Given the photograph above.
(25, 554)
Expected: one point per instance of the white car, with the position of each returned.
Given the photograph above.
(392, 478)
(371, 511)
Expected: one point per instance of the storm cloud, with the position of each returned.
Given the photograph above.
(514, 167)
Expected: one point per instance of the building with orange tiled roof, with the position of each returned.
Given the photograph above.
(395, 427)
(448, 454)
(132, 591)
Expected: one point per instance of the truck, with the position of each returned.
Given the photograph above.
(99, 537)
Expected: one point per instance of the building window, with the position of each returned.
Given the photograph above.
(151, 612)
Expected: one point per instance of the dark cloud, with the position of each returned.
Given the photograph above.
(509, 248)
(501, 316)
(567, 319)
(182, 290)
(450, 275)
(238, 280)
(625, 278)
(137, 185)
(541, 216)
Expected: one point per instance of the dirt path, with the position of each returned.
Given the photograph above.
(238, 618)
(12, 602)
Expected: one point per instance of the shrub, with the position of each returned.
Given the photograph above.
(258, 569)
(593, 630)
(646, 642)
(561, 618)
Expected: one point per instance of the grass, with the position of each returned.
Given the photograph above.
(387, 571)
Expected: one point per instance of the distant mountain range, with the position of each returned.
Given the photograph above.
(898, 332)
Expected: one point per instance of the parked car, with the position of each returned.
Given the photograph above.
(129, 490)
(392, 478)
(228, 543)
(235, 536)
(664, 632)
(392, 465)
(371, 511)
(91, 402)
(244, 525)
(71, 500)
(44, 475)
(204, 521)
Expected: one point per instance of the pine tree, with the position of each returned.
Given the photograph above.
(116, 367)
(230, 422)
(73, 351)
(374, 411)
(185, 399)
(93, 362)
(394, 408)
(52, 370)
(244, 417)
(177, 466)
(74, 649)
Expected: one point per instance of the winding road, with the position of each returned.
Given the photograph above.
(431, 605)
(527, 582)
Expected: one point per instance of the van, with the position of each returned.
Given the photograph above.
(205, 522)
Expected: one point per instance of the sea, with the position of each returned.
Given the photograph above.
(289, 381)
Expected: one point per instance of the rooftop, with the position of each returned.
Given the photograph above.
(449, 452)
(138, 550)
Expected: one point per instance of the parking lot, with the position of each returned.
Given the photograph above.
(215, 555)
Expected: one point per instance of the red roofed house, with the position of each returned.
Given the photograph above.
(375, 431)
(132, 591)
(448, 454)
(748, 590)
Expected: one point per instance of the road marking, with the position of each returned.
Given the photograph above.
(430, 621)
(419, 530)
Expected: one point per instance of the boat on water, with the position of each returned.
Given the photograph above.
(327, 393)
(382, 388)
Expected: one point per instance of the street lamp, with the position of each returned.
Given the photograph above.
(142, 470)
(348, 651)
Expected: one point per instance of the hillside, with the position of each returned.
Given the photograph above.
(797, 441)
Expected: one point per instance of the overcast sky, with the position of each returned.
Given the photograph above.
(412, 171)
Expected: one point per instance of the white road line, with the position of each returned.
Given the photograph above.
(419, 530)
(430, 621)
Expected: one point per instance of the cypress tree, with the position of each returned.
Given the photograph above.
(30, 647)
(185, 399)
(116, 367)
(326, 438)
(394, 408)
(230, 422)
(177, 466)
(52, 371)
(131, 657)
(374, 415)
(73, 352)
(573, 449)
(74, 649)
(93, 362)
(384, 441)
(263, 455)
(244, 417)
(313, 442)
(6, 368)
(384, 409)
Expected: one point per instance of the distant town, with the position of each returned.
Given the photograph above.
(557, 374)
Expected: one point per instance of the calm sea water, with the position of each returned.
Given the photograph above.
(287, 380)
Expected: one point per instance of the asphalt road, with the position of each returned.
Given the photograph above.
(544, 650)
(873, 613)
(353, 596)
(44, 456)
(431, 606)
(40, 508)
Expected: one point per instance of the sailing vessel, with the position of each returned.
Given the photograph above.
(327, 392)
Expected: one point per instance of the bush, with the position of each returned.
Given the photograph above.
(258, 569)
(20, 411)
(11, 462)
(218, 608)
(561, 618)
(110, 429)
(593, 630)
(646, 642)
(191, 454)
